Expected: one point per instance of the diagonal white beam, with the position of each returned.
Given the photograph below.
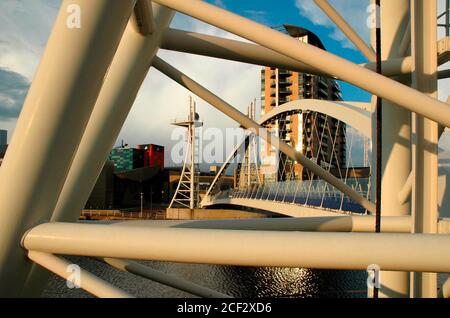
(346, 29)
(87, 281)
(213, 46)
(163, 278)
(120, 87)
(248, 123)
(329, 63)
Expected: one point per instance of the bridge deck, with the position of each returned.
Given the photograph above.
(283, 208)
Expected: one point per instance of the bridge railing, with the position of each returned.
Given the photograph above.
(317, 193)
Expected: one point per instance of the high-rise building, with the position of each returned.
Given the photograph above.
(313, 134)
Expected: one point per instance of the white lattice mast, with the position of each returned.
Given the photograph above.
(186, 194)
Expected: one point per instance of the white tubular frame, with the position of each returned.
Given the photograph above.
(86, 84)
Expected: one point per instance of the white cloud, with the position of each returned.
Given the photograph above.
(25, 29)
(13, 89)
(160, 100)
(220, 3)
(353, 11)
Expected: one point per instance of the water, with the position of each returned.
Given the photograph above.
(232, 280)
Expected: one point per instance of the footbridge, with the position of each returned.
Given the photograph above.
(294, 196)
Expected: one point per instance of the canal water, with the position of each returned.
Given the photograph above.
(232, 280)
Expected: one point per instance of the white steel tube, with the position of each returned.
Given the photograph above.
(340, 223)
(54, 116)
(346, 29)
(424, 50)
(125, 76)
(163, 278)
(396, 139)
(87, 281)
(407, 252)
(145, 12)
(344, 223)
(329, 63)
(213, 46)
(248, 123)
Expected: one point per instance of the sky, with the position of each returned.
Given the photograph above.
(25, 26)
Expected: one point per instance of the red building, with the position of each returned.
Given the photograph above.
(153, 155)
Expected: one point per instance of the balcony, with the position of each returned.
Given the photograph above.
(323, 92)
(337, 94)
(285, 91)
(284, 73)
(322, 82)
(335, 85)
(273, 92)
(285, 82)
(273, 102)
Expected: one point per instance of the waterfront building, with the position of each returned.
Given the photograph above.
(313, 134)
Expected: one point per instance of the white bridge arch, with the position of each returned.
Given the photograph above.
(356, 114)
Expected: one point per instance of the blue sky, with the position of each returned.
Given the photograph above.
(26, 24)
(274, 13)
